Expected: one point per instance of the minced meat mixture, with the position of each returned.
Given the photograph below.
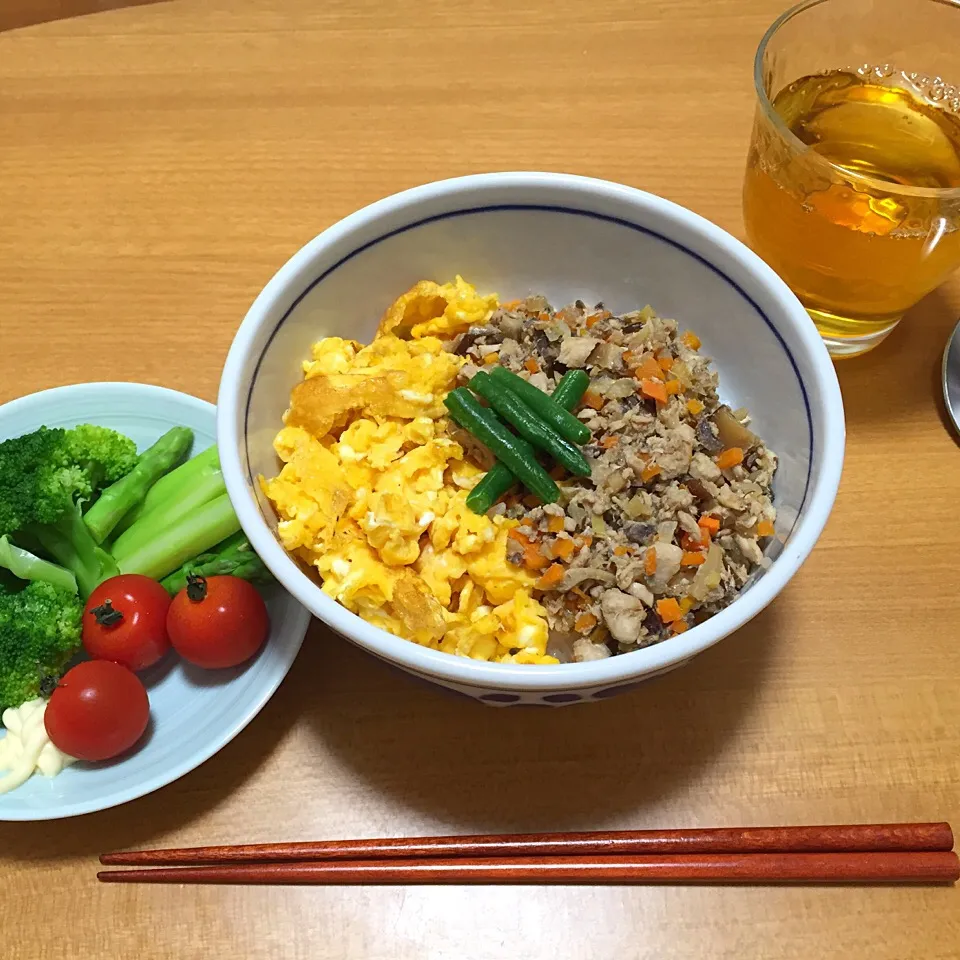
(674, 517)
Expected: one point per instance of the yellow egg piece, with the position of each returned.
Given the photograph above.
(372, 492)
(431, 309)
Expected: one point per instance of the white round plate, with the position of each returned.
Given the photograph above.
(193, 712)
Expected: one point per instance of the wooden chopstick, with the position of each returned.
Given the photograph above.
(751, 868)
(845, 838)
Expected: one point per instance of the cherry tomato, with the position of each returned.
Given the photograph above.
(125, 620)
(98, 710)
(217, 621)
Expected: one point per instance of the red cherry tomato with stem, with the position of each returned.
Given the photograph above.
(217, 621)
(125, 620)
(98, 710)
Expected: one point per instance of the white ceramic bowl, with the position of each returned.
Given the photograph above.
(193, 712)
(567, 237)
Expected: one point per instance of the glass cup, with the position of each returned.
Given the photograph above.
(852, 187)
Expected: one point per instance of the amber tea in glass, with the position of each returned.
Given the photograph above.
(852, 188)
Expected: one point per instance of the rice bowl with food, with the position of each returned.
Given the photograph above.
(643, 513)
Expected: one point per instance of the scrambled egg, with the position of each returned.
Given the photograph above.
(373, 488)
(430, 309)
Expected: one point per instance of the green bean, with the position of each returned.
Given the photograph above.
(491, 487)
(565, 423)
(496, 482)
(512, 451)
(572, 386)
(529, 425)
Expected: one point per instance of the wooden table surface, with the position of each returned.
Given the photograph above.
(158, 163)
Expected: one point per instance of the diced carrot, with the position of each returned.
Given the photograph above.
(650, 562)
(594, 400)
(490, 359)
(695, 407)
(554, 524)
(585, 622)
(668, 610)
(648, 369)
(691, 340)
(628, 357)
(551, 578)
(672, 387)
(654, 389)
(563, 548)
(516, 534)
(666, 363)
(730, 458)
(533, 557)
(690, 543)
(679, 626)
(531, 365)
(593, 319)
(609, 441)
(581, 594)
(765, 529)
(692, 559)
(709, 523)
(649, 472)
(543, 317)
(620, 551)
(510, 305)
(587, 539)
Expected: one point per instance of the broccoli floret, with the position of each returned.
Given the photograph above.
(43, 473)
(102, 450)
(45, 476)
(39, 633)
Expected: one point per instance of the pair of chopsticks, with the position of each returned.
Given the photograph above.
(855, 853)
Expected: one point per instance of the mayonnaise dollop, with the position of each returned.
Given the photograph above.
(26, 749)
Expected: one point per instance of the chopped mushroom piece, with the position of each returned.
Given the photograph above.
(731, 432)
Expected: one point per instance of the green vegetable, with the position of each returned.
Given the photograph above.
(70, 543)
(234, 557)
(496, 482)
(512, 451)
(157, 554)
(564, 422)
(189, 516)
(25, 566)
(529, 425)
(124, 494)
(200, 473)
(39, 633)
(572, 386)
(44, 478)
(192, 490)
